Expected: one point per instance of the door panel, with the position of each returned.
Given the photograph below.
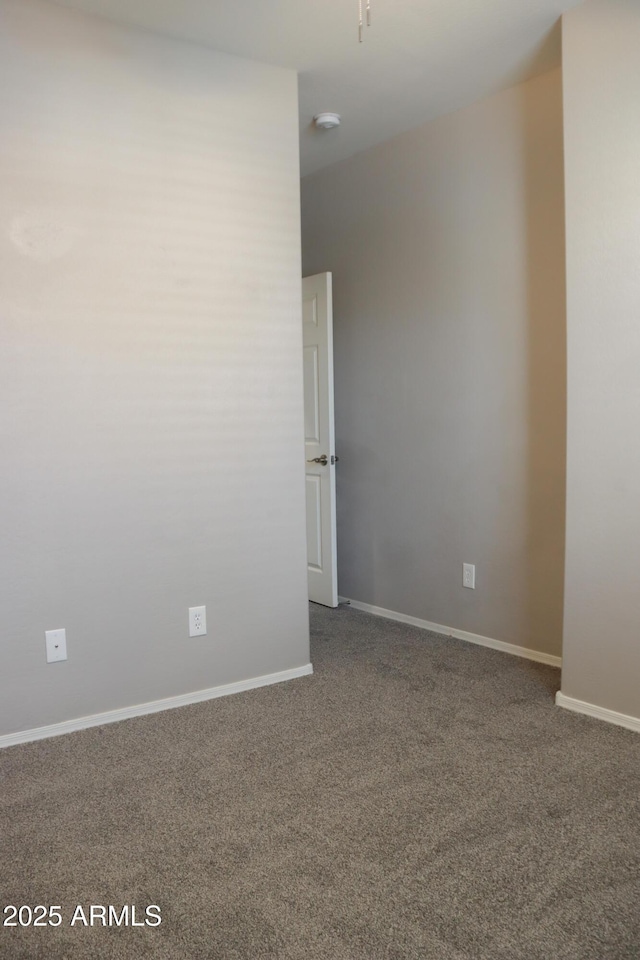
(314, 523)
(311, 396)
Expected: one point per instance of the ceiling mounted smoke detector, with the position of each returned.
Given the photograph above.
(327, 121)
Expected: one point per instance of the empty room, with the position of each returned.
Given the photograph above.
(319, 365)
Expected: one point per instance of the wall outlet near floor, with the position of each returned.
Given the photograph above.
(469, 575)
(197, 621)
(56, 641)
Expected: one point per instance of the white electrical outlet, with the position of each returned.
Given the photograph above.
(469, 575)
(197, 621)
(56, 641)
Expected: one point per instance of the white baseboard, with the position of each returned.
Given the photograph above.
(600, 713)
(511, 648)
(155, 706)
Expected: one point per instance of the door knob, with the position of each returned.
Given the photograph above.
(324, 460)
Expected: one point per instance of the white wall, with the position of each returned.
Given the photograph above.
(601, 44)
(152, 452)
(447, 249)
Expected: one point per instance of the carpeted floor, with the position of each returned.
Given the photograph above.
(418, 797)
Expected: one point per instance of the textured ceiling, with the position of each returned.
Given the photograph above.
(419, 60)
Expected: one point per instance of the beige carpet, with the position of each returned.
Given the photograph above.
(417, 797)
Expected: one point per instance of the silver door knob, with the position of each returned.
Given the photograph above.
(324, 460)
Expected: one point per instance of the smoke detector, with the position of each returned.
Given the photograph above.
(327, 121)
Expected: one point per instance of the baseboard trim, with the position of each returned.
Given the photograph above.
(600, 713)
(155, 706)
(515, 651)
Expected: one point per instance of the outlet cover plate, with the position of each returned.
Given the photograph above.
(469, 575)
(197, 621)
(56, 641)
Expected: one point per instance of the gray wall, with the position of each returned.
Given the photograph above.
(151, 433)
(602, 143)
(447, 249)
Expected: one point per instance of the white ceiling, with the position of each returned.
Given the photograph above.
(419, 59)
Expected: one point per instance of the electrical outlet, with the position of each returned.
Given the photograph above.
(469, 575)
(56, 641)
(197, 621)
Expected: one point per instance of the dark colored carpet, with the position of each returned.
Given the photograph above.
(417, 797)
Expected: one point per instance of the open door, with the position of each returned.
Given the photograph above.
(317, 322)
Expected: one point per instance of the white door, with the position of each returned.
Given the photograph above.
(317, 322)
